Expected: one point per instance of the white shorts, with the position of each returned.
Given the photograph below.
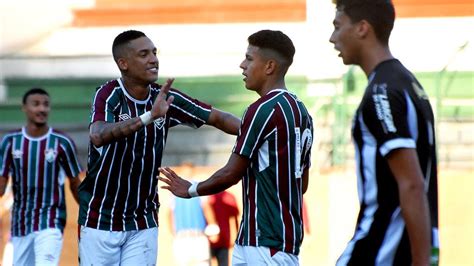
(38, 248)
(99, 247)
(249, 256)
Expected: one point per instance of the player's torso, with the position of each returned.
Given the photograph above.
(38, 184)
(273, 181)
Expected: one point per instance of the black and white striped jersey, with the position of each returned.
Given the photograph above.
(394, 113)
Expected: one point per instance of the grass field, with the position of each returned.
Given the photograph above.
(332, 205)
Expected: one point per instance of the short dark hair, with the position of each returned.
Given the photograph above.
(124, 38)
(379, 13)
(34, 90)
(274, 40)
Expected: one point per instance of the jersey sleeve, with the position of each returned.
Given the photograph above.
(5, 156)
(187, 111)
(307, 140)
(387, 117)
(251, 131)
(103, 106)
(68, 157)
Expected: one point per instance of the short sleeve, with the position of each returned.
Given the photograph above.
(386, 115)
(68, 157)
(187, 111)
(250, 135)
(5, 156)
(103, 106)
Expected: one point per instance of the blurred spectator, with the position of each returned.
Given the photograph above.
(226, 212)
(187, 221)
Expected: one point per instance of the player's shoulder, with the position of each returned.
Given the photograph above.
(108, 87)
(61, 134)
(11, 134)
(267, 102)
(155, 89)
(392, 73)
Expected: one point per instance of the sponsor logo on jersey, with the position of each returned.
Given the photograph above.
(419, 91)
(382, 107)
(123, 117)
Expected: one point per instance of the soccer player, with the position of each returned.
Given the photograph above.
(34, 157)
(129, 125)
(393, 133)
(271, 156)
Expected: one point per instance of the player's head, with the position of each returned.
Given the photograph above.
(36, 106)
(356, 21)
(135, 55)
(269, 53)
(380, 14)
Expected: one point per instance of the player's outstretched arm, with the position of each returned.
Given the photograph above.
(102, 133)
(224, 178)
(224, 121)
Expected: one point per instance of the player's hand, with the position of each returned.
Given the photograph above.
(174, 183)
(161, 104)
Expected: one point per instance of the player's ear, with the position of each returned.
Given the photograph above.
(270, 66)
(122, 64)
(363, 28)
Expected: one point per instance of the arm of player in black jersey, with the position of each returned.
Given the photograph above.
(305, 179)
(102, 133)
(405, 167)
(224, 121)
(224, 178)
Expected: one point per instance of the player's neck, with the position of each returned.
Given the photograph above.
(374, 56)
(272, 85)
(36, 130)
(137, 90)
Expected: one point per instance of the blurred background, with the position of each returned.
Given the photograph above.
(65, 47)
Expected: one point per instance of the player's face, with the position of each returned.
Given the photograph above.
(141, 61)
(37, 109)
(344, 39)
(253, 68)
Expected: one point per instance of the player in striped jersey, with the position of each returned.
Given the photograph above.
(34, 157)
(393, 134)
(271, 156)
(128, 129)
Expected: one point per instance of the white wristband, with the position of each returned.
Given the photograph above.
(146, 118)
(192, 190)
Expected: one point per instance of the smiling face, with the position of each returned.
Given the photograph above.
(345, 39)
(254, 69)
(36, 109)
(140, 62)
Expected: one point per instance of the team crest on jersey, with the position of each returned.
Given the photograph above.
(17, 154)
(419, 91)
(50, 155)
(123, 117)
(159, 123)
